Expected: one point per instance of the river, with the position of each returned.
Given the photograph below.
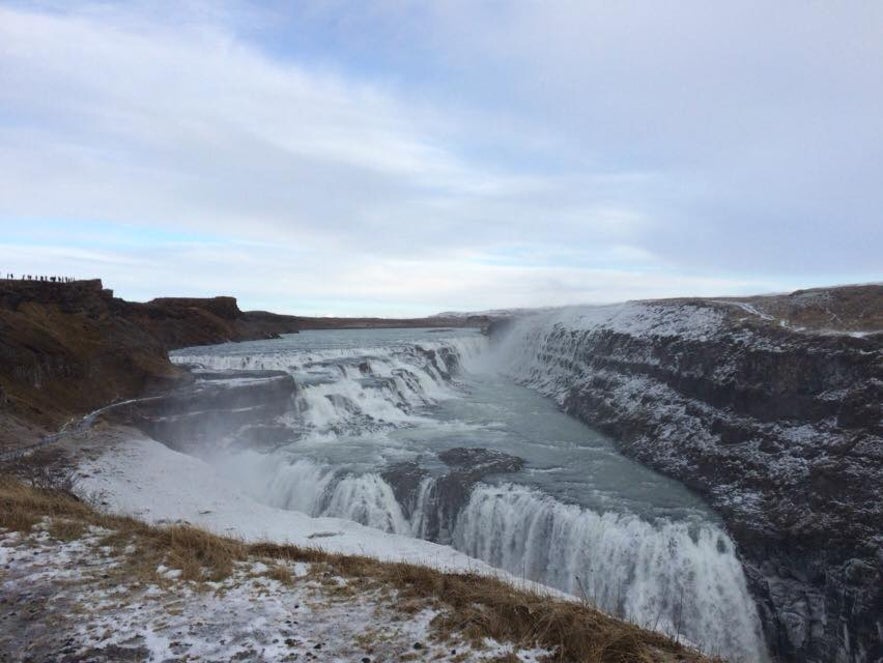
(422, 433)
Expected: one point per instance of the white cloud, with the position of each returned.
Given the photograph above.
(515, 155)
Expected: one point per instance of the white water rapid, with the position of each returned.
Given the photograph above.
(377, 410)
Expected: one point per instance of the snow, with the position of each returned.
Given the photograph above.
(248, 616)
(643, 319)
(99, 612)
(243, 382)
(748, 308)
(140, 477)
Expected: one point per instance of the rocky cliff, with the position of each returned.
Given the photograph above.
(182, 322)
(65, 349)
(770, 408)
(69, 348)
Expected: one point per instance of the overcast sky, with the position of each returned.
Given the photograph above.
(404, 158)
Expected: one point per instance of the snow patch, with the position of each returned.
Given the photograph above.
(143, 478)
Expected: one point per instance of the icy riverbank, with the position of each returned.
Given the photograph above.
(139, 477)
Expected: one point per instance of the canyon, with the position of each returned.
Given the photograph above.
(770, 408)
(767, 407)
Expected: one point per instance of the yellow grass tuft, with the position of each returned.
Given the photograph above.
(198, 554)
(21, 506)
(280, 573)
(63, 529)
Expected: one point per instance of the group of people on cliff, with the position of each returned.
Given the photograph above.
(42, 278)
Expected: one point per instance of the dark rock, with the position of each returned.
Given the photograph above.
(405, 479)
(480, 462)
(218, 406)
(779, 429)
(447, 494)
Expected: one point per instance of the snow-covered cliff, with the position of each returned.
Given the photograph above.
(771, 408)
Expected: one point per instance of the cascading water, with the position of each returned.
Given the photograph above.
(678, 577)
(342, 387)
(376, 412)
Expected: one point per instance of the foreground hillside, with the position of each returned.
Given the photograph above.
(77, 585)
(772, 409)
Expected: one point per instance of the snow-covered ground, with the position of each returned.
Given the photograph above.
(64, 601)
(640, 319)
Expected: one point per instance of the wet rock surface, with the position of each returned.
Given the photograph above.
(779, 428)
(405, 479)
(448, 493)
(480, 462)
(218, 406)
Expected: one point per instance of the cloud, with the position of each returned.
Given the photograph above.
(458, 154)
(766, 121)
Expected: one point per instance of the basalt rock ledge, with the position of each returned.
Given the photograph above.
(770, 407)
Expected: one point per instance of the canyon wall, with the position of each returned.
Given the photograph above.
(65, 350)
(768, 407)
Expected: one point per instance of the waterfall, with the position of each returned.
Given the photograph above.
(317, 490)
(345, 390)
(679, 578)
(369, 500)
(360, 410)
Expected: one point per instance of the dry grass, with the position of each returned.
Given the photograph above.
(62, 529)
(198, 554)
(22, 506)
(471, 607)
(506, 658)
(281, 573)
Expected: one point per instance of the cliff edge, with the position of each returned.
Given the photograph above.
(66, 349)
(772, 409)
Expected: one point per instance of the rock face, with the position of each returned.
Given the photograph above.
(180, 322)
(448, 493)
(64, 349)
(216, 409)
(771, 408)
(69, 348)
